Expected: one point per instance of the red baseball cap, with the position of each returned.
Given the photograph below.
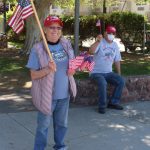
(110, 29)
(52, 19)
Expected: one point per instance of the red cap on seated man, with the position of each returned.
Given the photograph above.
(110, 33)
(111, 29)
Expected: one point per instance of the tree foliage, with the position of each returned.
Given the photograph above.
(87, 23)
(64, 3)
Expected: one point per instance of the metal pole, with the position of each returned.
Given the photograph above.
(76, 27)
(104, 12)
(4, 7)
(104, 6)
(144, 38)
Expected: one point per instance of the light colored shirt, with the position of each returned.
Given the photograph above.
(105, 55)
(61, 82)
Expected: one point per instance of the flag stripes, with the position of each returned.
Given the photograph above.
(23, 10)
(81, 63)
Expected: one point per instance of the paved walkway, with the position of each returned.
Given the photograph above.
(116, 130)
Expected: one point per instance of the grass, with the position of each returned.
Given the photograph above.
(131, 65)
(12, 65)
(15, 76)
(15, 44)
(136, 68)
(134, 64)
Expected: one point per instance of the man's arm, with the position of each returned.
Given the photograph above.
(94, 45)
(118, 67)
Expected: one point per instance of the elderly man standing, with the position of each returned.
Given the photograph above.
(106, 52)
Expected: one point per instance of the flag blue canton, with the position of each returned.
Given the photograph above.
(24, 3)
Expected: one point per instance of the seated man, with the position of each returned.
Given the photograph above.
(106, 52)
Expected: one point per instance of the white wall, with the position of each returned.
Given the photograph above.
(56, 10)
(85, 9)
(140, 9)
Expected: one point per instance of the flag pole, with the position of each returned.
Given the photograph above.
(41, 30)
(100, 30)
(98, 24)
(100, 27)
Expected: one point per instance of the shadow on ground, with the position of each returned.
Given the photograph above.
(14, 102)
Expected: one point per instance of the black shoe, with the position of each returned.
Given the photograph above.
(115, 106)
(101, 110)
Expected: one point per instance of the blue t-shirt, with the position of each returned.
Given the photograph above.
(105, 55)
(61, 82)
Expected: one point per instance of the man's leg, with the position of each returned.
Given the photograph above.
(102, 91)
(60, 121)
(117, 81)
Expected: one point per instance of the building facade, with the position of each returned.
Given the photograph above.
(95, 7)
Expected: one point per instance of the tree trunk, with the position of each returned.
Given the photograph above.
(32, 30)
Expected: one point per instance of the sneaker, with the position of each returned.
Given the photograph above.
(101, 110)
(64, 148)
(115, 106)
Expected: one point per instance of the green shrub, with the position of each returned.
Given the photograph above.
(129, 25)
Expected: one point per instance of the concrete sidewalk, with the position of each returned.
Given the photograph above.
(116, 130)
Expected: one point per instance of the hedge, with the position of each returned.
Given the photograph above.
(129, 25)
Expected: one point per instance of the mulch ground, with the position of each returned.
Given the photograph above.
(13, 82)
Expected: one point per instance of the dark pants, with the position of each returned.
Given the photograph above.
(102, 79)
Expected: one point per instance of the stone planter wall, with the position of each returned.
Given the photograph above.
(137, 88)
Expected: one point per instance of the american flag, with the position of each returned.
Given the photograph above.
(90, 66)
(22, 11)
(84, 65)
(76, 63)
(81, 63)
(98, 23)
(79, 60)
(87, 66)
(72, 64)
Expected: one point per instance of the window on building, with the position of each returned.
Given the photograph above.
(139, 2)
(116, 8)
(140, 8)
(54, 7)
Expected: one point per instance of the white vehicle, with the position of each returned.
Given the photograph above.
(120, 44)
